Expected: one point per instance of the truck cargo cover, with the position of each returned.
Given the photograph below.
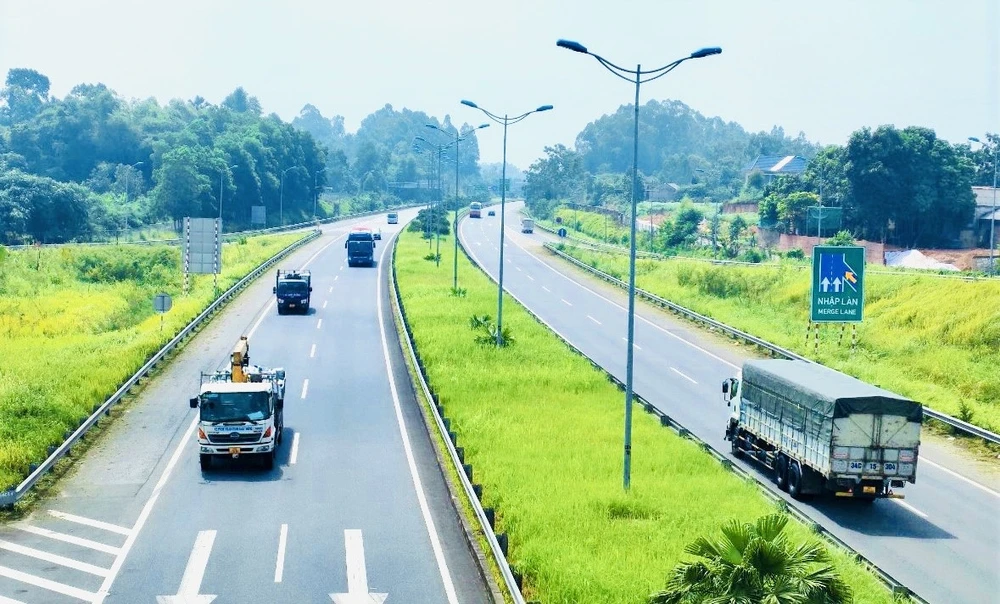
(819, 391)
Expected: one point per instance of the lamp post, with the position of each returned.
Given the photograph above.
(437, 233)
(993, 215)
(635, 76)
(222, 176)
(458, 137)
(505, 121)
(281, 196)
(315, 190)
(127, 172)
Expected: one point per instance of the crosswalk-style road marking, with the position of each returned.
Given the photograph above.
(194, 572)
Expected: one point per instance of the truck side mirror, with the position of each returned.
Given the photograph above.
(725, 387)
(274, 290)
(345, 244)
(194, 402)
(310, 288)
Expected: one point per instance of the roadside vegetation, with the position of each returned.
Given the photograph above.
(935, 340)
(542, 430)
(76, 322)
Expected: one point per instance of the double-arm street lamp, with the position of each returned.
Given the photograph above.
(281, 196)
(458, 137)
(127, 172)
(505, 121)
(437, 232)
(993, 214)
(637, 76)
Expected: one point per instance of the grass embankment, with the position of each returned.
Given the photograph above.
(76, 322)
(542, 430)
(932, 339)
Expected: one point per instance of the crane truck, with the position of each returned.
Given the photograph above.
(821, 431)
(241, 410)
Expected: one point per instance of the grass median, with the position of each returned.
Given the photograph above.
(935, 340)
(76, 322)
(543, 431)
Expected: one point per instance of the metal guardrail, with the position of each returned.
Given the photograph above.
(12, 496)
(470, 491)
(896, 587)
(774, 349)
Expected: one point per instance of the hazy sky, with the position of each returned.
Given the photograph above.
(825, 67)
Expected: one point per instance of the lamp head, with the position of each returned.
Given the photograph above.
(571, 45)
(470, 104)
(706, 52)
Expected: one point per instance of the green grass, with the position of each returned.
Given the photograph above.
(542, 430)
(934, 340)
(76, 322)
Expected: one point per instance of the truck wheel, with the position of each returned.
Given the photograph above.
(737, 451)
(281, 309)
(269, 461)
(781, 472)
(795, 480)
(205, 461)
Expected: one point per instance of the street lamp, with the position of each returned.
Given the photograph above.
(635, 76)
(281, 201)
(222, 175)
(993, 215)
(458, 137)
(505, 121)
(315, 191)
(127, 172)
(437, 233)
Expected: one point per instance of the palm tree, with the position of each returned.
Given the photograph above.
(753, 564)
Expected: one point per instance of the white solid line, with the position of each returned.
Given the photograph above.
(678, 372)
(325, 303)
(567, 302)
(357, 575)
(101, 547)
(114, 528)
(593, 319)
(530, 277)
(981, 487)
(312, 351)
(65, 590)
(5, 600)
(295, 449)
(305, 387)
(264, 313)
(279, 566)
(319, 324)
(547, 289)
(910, 507)
(449, 586)
(194, 572)
(55, 559)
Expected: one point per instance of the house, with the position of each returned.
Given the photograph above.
(987, 215)
(664, 192)
(773, 166)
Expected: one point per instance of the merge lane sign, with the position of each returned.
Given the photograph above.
(838, 290)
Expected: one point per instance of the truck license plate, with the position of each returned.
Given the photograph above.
(869, 489)
(235, 452)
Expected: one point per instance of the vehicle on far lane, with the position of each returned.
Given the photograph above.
(527, 225)
(292, 289)
(392, 218)
(360, 246)
(377, 234)
(491, 213)
(475, 210)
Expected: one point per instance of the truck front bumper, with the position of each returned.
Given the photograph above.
(207, 448)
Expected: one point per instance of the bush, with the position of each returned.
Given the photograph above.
(795, 253)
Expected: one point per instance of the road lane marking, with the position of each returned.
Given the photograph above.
(305, 388)
(981, 487)
(5, 600)
(567, 302)
(518, 268)
(335, 277)
(295, 449)
(547, 289)
(194, 572)
(341, 267)
(530, 277)
(909, 507)
(324, 303)
(101, 547)
(357, 575)
(65, 590)
(624, 339)
(331, 287)
(279, 565)
(593, 319)
(114, 528)
(678, 372)
(319, 324)
(449, 586)
(312, 352)
(53, 558)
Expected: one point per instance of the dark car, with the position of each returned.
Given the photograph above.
(491, 213)
(377, 234)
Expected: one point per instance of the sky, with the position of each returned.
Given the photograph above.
(822, 68)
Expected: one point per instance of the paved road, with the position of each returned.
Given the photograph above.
(942, 541)
(356, 502)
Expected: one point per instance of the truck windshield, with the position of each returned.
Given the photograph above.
(359, 246)
(234, 406)
(292, 287)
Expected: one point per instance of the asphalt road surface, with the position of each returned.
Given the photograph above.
(355, 505)
(942, 541)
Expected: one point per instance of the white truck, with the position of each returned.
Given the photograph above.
(241, 411)
(821, 431)
(527, 225)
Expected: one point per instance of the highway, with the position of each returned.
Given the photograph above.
(942, 541)
(355, 505)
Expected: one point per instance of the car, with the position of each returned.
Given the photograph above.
(377, 234)
(393, 218)
(491, 213)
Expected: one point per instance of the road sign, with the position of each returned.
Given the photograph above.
(202, 246)
(838, 284)
(258, 215)
(162, 303)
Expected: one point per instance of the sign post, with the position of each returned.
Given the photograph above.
(838, 284)
(161, 304)
(202, 253)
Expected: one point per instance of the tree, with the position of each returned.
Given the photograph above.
(792, 210)
(841, 238)
(556, 176)
(752, 563)
(181, 189)
(24, 93)
(241, 102)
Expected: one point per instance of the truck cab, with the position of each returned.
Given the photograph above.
(293, 289)
(240, 411)
(392, 218)
(360, 246)
(527, 225)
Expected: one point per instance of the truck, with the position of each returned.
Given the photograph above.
(360, 246)
(292, 289)
(475, 210)
(527, 225)
(392, 218)
(821, 432)
(240, 410)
